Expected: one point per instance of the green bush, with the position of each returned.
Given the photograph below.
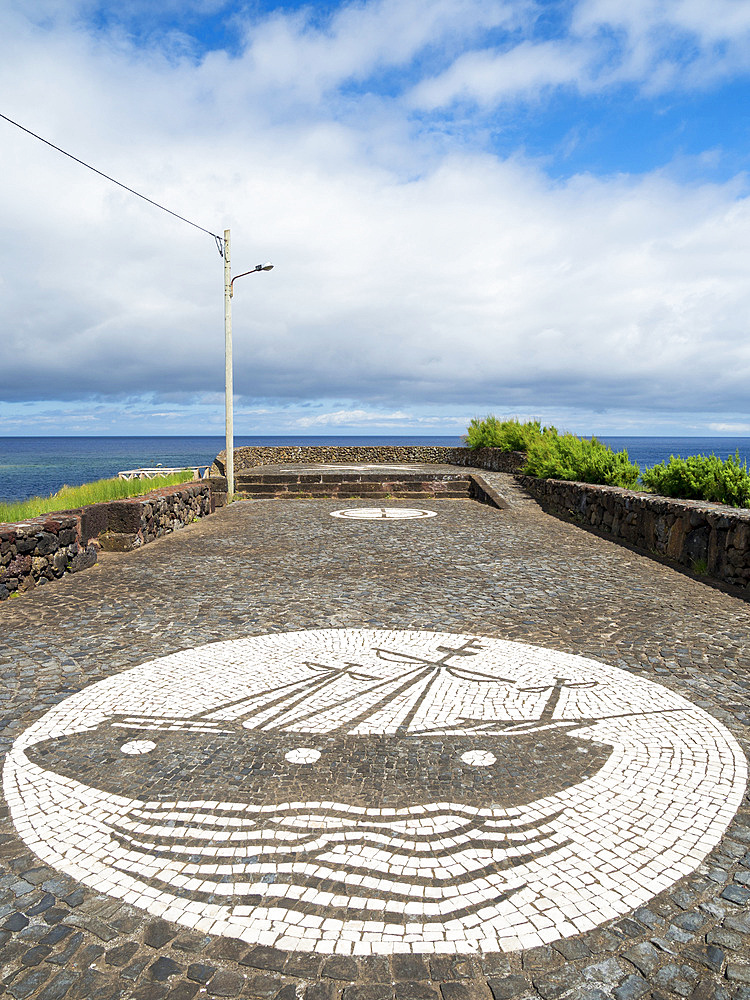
(701, 477)
(551, 455)
(583, 460)
(507, 435)
(79, 496)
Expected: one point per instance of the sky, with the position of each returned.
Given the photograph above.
(532, 209)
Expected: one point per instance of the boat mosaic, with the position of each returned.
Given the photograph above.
(376, 791)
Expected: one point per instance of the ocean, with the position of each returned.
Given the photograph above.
(39, 466)
(648, 451)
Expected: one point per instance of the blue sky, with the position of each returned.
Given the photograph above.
(473, 206)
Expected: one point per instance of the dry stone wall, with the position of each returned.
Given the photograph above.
(137, 520)
(39, 550)
(45, 548)
(252, 456)
(708, 538)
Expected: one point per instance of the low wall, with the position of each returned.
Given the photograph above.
(44, 548)
(252, 456)
(41, 549)
(137, 520)
(710, 539)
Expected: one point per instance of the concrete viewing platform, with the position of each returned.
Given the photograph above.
(375, 745)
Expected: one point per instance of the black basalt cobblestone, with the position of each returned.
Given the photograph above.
(256, 568)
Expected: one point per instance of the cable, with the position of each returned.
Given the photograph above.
(219, 239)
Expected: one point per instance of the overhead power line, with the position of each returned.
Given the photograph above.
(219, 239)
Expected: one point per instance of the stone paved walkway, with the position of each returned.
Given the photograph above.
(480, 754)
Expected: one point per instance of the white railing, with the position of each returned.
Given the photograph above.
(199, 472)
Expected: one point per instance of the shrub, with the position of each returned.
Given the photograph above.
(79, 496)
(701, 477)
(507, 435)
(584, 460)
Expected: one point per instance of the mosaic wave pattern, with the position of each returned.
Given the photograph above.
(366, 791)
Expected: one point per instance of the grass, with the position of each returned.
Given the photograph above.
(80, 496)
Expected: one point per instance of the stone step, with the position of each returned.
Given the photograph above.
(389, 487)
(245, 479)
(350, 491)
(416, 485)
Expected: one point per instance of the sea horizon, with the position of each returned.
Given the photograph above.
(39, 465)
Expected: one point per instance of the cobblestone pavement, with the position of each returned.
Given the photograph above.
(480, 754)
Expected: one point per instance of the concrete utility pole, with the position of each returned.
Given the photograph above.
(228, 378)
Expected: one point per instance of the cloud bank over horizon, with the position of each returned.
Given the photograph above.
(472, 205)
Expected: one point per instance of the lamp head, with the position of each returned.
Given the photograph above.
(268, 266)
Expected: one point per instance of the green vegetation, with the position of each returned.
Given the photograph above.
(583, 460)
(551, 455)
(701, 477)
(507, 435)
(700, 567)
(79, 496)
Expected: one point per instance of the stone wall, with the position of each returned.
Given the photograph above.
(137, 520)
(253, 456)
(708, 538)
(41, 549)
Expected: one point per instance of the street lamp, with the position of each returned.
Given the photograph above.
(268, 266)
(228, 380)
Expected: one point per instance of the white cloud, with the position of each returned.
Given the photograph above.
(668, 43)
(657, 45)
(417, 275)
(740, 427)
(490, 77)
(345, 418)
(365, 418)
(289, 57)
(719, 21)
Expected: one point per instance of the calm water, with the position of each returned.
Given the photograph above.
(648, 451)
(38, 466)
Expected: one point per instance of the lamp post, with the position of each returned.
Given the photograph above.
(228, 379)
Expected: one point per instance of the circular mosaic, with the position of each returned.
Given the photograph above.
(373, 791)
(383, 513)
